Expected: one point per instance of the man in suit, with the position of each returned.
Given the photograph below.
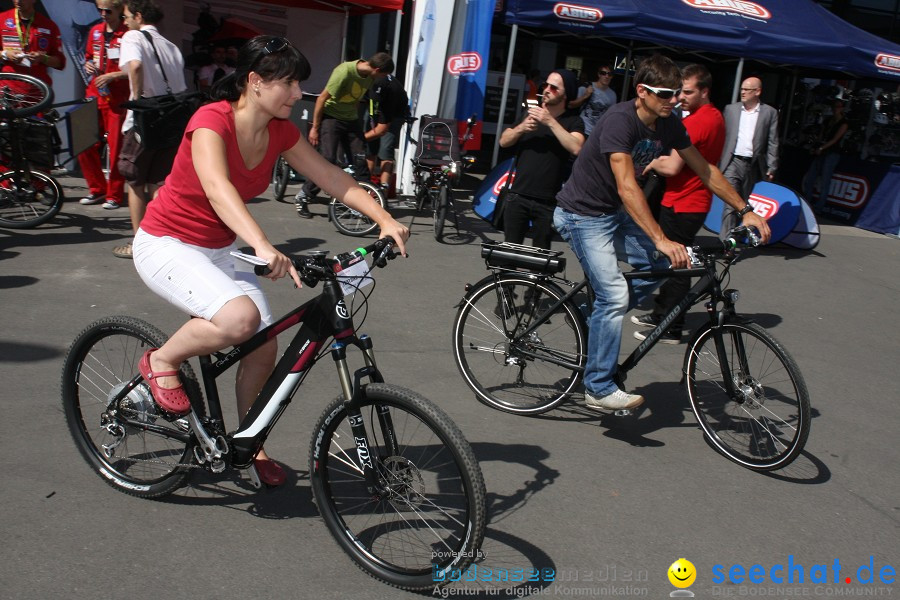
(751, 145)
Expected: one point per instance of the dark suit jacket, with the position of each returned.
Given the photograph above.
(765, 142)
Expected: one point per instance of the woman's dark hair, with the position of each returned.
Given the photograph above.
(287, 62)
(150, 10)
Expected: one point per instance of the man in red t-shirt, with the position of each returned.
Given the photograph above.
(686, 201)
(110, 87)
(31, 43)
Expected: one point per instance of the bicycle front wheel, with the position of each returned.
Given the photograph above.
(23, 95)
(765, 425)
(281, 175)
(352, 222)
(28, 199)
(427, 515)
(527, 374)
(440, 212)
(131, 446)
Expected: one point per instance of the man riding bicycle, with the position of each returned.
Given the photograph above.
(603, 214)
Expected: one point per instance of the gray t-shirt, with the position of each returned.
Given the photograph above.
(597, 104)
(592, 190)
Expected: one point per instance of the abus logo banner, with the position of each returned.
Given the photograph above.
(574, 12)
(888, 61)
(751, 9)
(763, 206)
(467, 62)
(850, 191)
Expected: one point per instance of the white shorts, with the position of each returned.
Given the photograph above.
(197, 280)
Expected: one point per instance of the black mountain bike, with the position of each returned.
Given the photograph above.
(393, 477)
(28, 197)
(520, 342)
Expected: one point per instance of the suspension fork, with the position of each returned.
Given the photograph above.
(354, 394)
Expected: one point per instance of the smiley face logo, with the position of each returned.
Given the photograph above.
(682, 573)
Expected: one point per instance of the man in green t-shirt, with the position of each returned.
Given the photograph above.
(336, 124)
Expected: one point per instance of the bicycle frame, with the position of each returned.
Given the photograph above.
(709, 283)
(323, 317)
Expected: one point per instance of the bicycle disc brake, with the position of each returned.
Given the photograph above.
(403, 481)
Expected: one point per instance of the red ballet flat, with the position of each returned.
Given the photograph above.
(173, 400)
(269, 471)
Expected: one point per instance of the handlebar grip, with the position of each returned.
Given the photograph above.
(262, 270)
(386, 253)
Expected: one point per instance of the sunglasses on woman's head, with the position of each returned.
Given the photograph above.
(661, 93)
(275, 45)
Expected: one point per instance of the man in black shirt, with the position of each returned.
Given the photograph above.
(604, 216)
(546, 140)
(388, 105)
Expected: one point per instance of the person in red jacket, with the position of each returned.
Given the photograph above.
(110, 87)
(31, 43)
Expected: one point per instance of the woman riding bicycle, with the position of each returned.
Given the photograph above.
(182, 249)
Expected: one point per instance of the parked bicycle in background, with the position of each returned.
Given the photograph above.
(28, 196)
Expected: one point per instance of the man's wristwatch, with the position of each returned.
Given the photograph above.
(745, 210)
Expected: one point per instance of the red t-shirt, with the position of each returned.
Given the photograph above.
(105, 56)
(182, 210)
(685, 192)
(41, 35)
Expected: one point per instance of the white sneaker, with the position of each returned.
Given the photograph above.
(92, 199)
(618, 400)
(111, 205)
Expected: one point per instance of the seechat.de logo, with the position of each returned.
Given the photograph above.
(751, 9)
(763, 206)
(466, 62)
(502, 182)
(574, 12)
(888, 61)
(847, 190)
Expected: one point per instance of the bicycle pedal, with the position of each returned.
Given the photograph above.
(623, 412)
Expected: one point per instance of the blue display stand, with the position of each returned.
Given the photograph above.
(778, 205)
(485, 199)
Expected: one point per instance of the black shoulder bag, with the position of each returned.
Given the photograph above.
(160, 121)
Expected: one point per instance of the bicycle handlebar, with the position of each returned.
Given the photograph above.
(739, 237)
(318, 267)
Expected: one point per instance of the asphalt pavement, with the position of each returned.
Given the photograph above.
(607, 505)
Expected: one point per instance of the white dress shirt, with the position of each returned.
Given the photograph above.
(744, 144)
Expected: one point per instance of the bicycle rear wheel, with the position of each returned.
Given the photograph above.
(28, 199)
(440, 212)
(526, 375)
(352, 222)
(281, 176)
(132, 447)
(427, 515)
(766, 426)
(23, 95)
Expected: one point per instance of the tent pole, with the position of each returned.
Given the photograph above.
(505, 94)
(344, 34)
(625, 80)
(736, 92)
(394, 49)
(790, 107)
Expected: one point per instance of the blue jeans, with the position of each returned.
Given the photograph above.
(821, 168)
(599, 243)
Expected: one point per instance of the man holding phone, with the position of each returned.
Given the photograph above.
(546, 140)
